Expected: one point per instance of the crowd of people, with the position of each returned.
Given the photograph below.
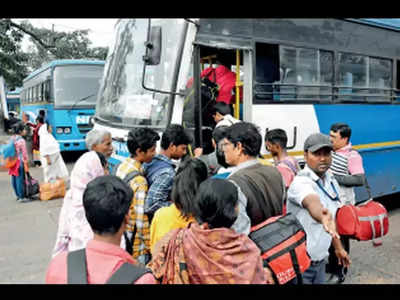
(170, 217)
(190, 223)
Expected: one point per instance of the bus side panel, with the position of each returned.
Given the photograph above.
(370, 124)
(287, 117)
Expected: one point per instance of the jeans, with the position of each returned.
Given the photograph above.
(315, 274)
(18, 182)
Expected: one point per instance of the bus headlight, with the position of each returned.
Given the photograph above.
(59, 130)
(67, 130)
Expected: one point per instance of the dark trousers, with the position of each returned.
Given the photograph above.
(333, 266)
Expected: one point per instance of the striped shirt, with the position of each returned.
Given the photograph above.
(339, 164)
(141, 243)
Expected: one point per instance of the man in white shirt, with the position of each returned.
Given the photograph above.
(314, 199)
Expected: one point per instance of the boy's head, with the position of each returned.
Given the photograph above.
(106, 201)
(142, 143)
(175, 139)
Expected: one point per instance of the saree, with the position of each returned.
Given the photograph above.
(207, 256)
(73, 229)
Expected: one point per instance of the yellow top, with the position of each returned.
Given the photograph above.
(165, 219)
(265, 162)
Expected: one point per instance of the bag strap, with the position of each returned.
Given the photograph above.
(290, 165)
(127, 273)
(128, 177)
(76, 267)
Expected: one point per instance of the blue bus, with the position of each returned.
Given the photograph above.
(13, 100)
(301, 75)
(66, 91)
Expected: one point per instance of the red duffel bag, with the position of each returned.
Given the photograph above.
(363, 222)
(282, 241)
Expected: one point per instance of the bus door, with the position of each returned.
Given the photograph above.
(197, 109)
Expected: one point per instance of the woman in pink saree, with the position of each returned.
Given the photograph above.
(73, 229)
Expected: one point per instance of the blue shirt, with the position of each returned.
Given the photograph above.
(304, 184)
(160, 174)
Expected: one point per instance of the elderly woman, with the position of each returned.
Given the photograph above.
(99, 140)
(73, 229)
(209, 251)
(50, 156)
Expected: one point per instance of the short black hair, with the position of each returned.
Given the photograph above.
(219, 133)
(277, 136)
(40, 119)
(222, 108)
(176, 135)
(343, 129)
(190, 174)
(18, 127)
(248, 135)
(215, 203)
(106, 201)
(141, 138)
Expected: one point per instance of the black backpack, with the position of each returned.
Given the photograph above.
(209, 94)
(77, 270)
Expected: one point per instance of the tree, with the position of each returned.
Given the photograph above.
(13, 61)
(48, 45)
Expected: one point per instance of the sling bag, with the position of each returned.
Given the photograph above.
(77, 270)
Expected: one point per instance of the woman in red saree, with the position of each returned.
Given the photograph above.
(209, 251)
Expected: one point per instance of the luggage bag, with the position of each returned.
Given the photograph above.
(52, 190)
(282, 241)
(363, 222)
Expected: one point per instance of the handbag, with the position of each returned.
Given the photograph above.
(363, 222)
(31, 186)
(282, 241)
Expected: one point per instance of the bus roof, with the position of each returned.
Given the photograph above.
(62, 62)
(393, 24)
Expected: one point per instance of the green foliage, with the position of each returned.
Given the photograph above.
(13, 61)
(47, 46)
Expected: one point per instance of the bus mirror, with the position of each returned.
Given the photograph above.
(153, 47)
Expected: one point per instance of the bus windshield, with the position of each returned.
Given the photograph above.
(77, 85)
(122, 99)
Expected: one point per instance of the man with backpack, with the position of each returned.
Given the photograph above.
(142, 148)
(106, 201)
(160, 171)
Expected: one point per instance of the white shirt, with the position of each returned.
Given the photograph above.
(304, 184)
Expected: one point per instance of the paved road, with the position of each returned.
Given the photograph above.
(28, 232)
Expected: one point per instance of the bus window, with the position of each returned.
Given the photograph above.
(352, 77)
(380, 72)
(363, 78)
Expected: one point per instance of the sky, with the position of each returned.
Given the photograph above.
(100, 33)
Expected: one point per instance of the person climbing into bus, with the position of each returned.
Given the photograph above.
(224, 77)
(222, 114)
